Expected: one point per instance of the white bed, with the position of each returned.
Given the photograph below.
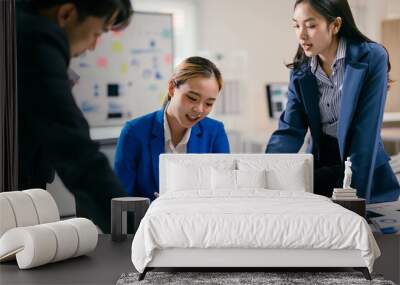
(256, 210)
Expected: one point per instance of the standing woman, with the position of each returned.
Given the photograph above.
(181, 126)
(338, 85)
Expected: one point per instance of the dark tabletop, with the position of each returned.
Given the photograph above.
(104, 265)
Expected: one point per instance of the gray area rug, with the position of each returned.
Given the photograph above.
(269, 278)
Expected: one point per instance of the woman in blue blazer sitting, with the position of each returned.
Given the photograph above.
(181, 126)
(338, 85)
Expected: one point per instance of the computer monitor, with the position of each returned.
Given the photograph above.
(277, 95)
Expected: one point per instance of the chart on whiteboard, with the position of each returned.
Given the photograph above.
(127, 74)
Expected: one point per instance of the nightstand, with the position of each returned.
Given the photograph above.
(119, 208)
(356, 205)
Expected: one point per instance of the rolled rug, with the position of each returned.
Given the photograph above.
(26, 208)
(7, 217)
(23, 208)
(45, 205)
(32, 246)
(67, 240)
(40, 244)
(87, 235)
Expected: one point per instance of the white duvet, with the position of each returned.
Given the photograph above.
(253, 218)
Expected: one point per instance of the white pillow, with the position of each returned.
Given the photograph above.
(183, 177)
(251, 178)
(237, 179)
(281, 174)
(223, 179)
(293, 179)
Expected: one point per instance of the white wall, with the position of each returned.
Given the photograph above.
(261, 28)
(393, 9)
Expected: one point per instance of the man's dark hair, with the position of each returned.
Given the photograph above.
(95, 8)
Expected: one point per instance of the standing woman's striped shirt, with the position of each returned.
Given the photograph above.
(330, 89)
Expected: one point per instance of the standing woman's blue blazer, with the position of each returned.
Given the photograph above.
(361, 110)
(142, 141)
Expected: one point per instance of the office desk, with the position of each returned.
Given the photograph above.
(389, 263)
(392, 135)
(102, 266)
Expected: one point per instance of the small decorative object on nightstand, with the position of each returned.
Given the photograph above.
(345, 193)
(347, 196)
(347, 174)
(137, 205)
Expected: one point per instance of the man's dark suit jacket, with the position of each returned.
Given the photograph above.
(53, 133)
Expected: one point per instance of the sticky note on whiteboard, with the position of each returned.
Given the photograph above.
(102, 62)
(117, 47)
(168, 58)
(124, 68)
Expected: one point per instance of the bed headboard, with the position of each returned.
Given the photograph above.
(287, 171)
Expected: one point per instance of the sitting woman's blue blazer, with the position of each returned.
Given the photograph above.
(142, 141)
(361, 111)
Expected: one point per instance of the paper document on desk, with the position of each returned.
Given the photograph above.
(387, 208)
(385, 216)
(388, 224)
(395, 163)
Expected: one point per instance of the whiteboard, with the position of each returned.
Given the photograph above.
(126, 75)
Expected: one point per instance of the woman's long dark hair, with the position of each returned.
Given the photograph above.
(330, 10)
